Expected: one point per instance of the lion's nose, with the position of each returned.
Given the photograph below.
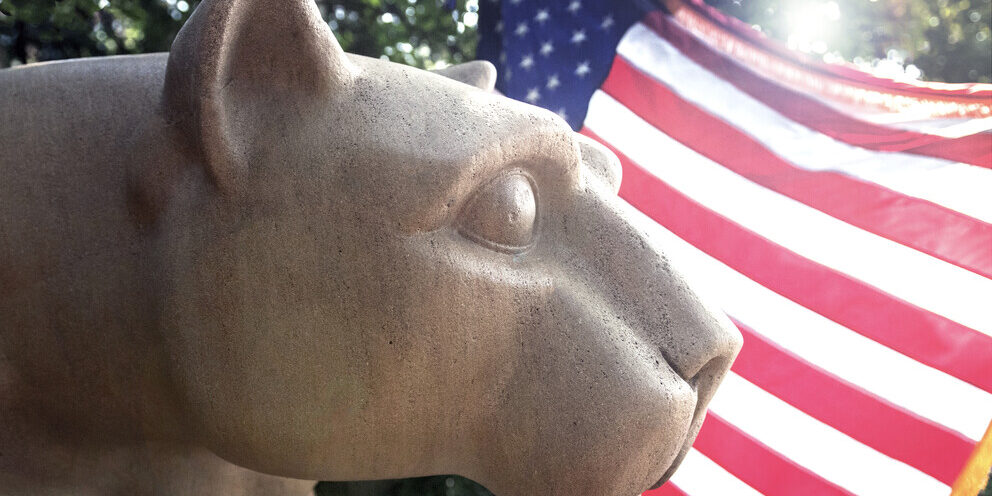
(703, 351)
(697, 340)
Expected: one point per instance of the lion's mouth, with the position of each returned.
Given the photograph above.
(690, 437)
(676, 462)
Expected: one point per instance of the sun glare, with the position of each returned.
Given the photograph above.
(812, 24)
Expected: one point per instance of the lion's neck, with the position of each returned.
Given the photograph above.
(81, 352)
(86, 403)
(40, 464)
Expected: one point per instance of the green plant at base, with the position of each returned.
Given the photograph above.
(441, 485)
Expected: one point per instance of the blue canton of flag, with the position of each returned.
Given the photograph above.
(554, 54)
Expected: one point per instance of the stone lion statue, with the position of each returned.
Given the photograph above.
(257, 261)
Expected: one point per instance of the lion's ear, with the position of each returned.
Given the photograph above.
(478, 73)
(236, 60)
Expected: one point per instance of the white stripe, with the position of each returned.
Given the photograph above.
(879, 370)
(957, 186)
(948, 127)
(925, 281)
(917, 120)
(700, 476)
(952, 128)
(815, 445)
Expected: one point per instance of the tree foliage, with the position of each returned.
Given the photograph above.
(444, 485)
(946, 40)
(423, 33)
(940, 40)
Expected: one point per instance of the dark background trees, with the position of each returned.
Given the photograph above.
(422, 33)
(946, 40)
(940, 40)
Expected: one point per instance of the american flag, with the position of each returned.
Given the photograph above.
(843, 221)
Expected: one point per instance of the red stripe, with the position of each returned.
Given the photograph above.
(872, 421)
(668, 489)
(959, 92)
(925, 226)
(924, 336)
(757, 465)
(973, 149)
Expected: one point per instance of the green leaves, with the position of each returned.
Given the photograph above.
(440, 485)
(423, 33)
(34, 31)
(947, 40)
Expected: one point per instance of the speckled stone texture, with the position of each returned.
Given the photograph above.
(259, 255)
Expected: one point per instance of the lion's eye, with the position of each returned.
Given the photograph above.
(502, 214)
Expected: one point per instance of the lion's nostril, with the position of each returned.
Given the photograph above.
(694, 382)
(709, 376)
(709, 349)
(701, 378)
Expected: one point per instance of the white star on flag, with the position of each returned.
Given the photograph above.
(542, 15)
(533, 95)
(547, 48)
(527, 62)
(553, 82)
(582, 69)
(579, 36)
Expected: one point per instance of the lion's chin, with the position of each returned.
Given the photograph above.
(690, 438)
(675, 464)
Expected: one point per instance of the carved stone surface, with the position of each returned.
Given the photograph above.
(258, 254)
